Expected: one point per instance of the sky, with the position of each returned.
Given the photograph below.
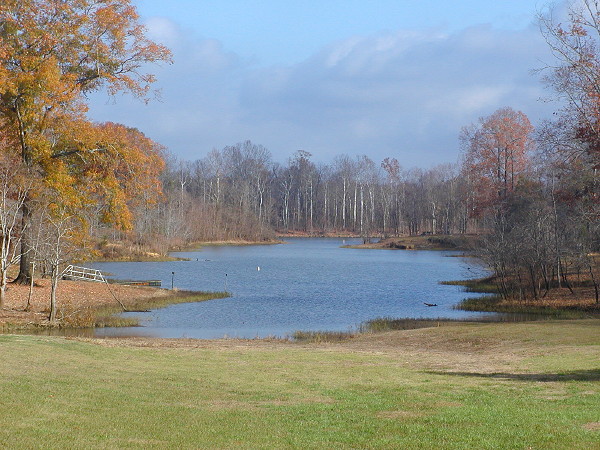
(382, 78)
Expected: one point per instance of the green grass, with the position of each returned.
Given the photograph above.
(322, 336)
(383, 324)
(59, 393)
(378, 325)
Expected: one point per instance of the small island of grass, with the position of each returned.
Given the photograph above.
(425, 241)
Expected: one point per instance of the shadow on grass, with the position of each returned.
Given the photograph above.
(575, 375)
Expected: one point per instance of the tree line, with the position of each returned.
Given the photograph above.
(351, 195)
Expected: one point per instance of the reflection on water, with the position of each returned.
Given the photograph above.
(306, 284)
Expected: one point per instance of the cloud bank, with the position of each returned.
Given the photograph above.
(402, 94)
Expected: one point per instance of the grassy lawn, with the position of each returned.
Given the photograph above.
(533, 385)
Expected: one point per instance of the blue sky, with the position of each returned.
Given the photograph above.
(380, 78)
(290, 31)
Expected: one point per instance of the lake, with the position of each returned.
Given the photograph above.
(306, 284)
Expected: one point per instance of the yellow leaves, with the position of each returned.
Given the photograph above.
(54, 49)
(136, 161)
(108, 166)
(118, 212)
(51, 52)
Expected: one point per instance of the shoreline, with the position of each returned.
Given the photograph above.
(233, 243)
(416, 242)
(147, 256)
(86, 304)
(93, 305)
(434, 242)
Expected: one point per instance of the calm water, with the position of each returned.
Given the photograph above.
(306, 284)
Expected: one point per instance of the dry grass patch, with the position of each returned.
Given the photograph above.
(592, 426)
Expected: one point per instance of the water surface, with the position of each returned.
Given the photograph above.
(306, 284)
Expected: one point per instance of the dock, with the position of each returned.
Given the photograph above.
(86, 274)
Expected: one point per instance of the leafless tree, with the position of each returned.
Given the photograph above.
(13, 193)
(58, 245)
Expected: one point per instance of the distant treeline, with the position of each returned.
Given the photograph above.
(536, 205)
(240, 193)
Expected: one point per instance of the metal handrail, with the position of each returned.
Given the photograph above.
(83, 273)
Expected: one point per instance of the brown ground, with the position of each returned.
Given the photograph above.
(582, 298)
(424, 242)
(72, 297)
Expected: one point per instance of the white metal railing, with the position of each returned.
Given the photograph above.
(83, 273)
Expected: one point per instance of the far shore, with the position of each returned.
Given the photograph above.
(317, 234)
(231, 242)
(114, 252)
(424, 241)
(121, 253)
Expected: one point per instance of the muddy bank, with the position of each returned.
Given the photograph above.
(78, 302)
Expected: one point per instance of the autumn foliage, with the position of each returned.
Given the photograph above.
(52, 52)
(496, 155)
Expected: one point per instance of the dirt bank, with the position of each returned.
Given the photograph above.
(73, 297)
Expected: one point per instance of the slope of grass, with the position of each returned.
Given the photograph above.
(60, 393)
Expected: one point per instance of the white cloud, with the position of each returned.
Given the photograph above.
(470, 100)
(163, 30)
(403, 94)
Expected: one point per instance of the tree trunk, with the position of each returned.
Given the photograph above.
(24, 276)
(28, 306)
(596, 290)
(2, 288)
(344, 205)
(52, 316)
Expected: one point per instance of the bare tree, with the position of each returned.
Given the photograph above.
(575, 77)
(58, 246)
(13, 193)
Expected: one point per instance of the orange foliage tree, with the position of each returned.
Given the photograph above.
(496, 155)
(125, 175)
(52, 52)
(109, 166)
